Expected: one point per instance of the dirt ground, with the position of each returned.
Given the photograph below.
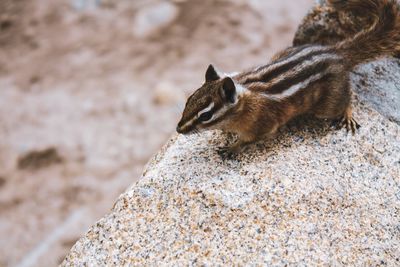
(90, 90)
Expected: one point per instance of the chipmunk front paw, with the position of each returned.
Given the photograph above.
(228, 152)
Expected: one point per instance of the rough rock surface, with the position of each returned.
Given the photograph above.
(313, 196)
(378, 83)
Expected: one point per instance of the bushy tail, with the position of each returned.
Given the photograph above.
(382, 38)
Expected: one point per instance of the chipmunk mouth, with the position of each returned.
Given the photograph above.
(180, 130)
(186, 129)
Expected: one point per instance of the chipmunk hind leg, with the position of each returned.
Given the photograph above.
(348, 121)
(346, 118)
(336, 104)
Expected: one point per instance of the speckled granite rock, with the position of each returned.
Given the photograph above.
(378, 83)
(313, 196)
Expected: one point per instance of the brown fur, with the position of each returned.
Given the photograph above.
(308, 79)
(382, 38)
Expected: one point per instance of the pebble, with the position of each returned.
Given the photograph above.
(153, 17)
(166, 93)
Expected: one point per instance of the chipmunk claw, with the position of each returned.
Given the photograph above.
(350, 123)
(226, 153)
(230, 152)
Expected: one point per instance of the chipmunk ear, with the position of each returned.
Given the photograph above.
(211, 74)
(228, 90)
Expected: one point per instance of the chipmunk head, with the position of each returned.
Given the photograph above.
(211, 104)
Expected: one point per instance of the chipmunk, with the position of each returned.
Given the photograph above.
(308, 79)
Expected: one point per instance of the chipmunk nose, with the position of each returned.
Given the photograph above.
(179, 127)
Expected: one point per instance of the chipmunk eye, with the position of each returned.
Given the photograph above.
(206, 116)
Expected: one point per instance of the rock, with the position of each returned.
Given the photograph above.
(39, 159)
(83, 5)
(5, 22)
(166, 93)
(153, 17)
(3, 181)
(313, 196)
(378, 84)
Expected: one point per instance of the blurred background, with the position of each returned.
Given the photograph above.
(91, 89)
